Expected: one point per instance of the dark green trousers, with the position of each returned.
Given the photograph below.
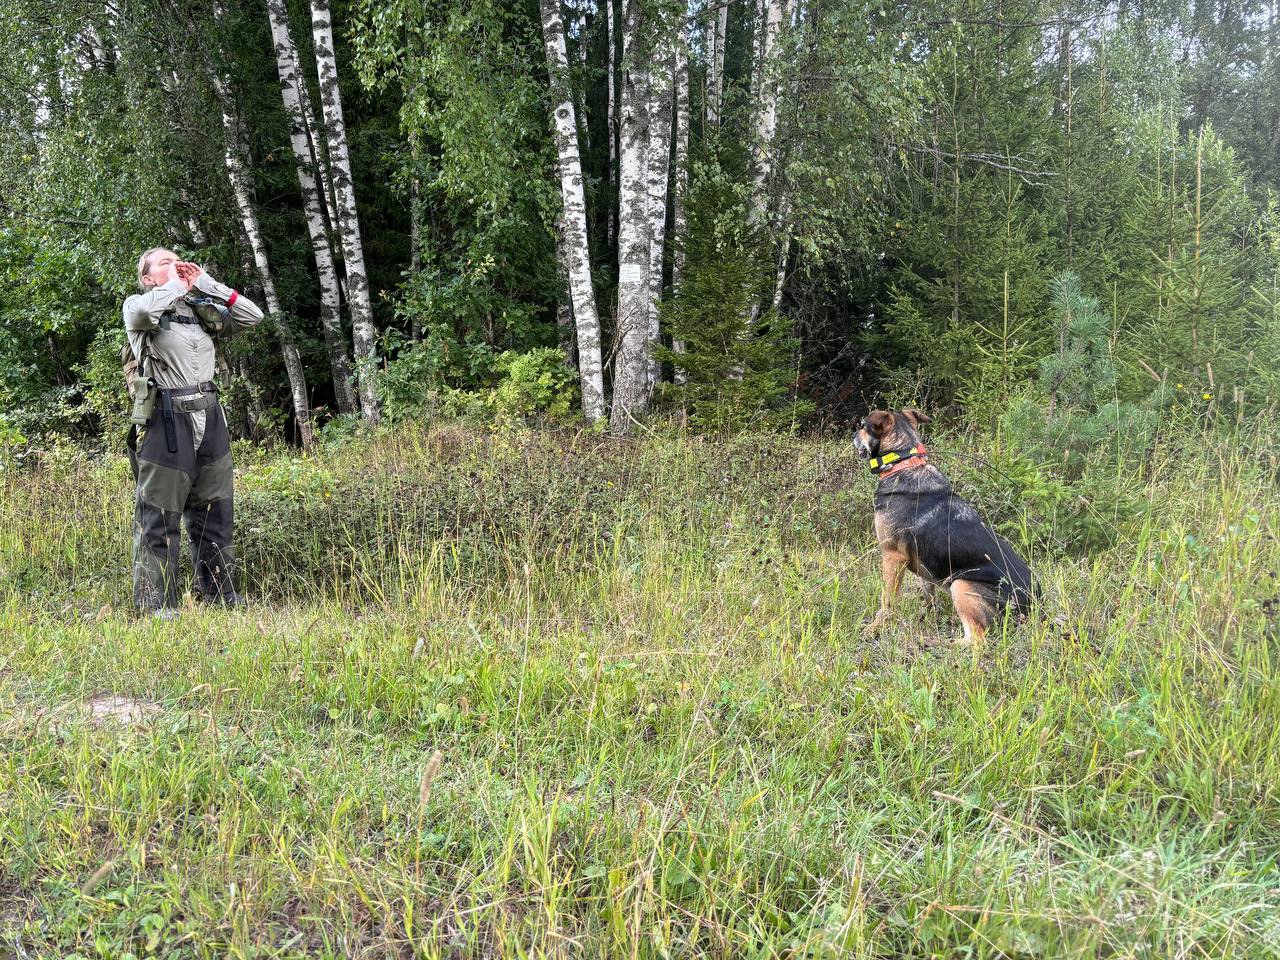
(176, 481)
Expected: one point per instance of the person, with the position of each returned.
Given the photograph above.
(179, 444)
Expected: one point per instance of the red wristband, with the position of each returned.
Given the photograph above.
(235, 295)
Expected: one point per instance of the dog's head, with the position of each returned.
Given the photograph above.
(886, 430)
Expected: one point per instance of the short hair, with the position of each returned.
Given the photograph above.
(144, 264)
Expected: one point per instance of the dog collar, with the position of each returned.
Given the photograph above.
(891, 462)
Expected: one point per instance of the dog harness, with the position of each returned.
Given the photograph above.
(887, 464)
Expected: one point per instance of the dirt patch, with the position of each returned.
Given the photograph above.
(108, 708)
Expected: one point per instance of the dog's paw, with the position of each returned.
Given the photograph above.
(873, 627)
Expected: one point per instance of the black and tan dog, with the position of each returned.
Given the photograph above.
(922, 526)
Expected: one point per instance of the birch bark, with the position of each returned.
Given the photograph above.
(313, 206)
(364, 334)
(679, 221)
(577, 259)
(767, 118)
(657, 175)
(237, 173)
(715, 84)
(631, 371)
(611, 122)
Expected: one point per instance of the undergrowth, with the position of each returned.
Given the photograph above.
(550, 694)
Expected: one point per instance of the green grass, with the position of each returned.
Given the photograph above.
(662, 732)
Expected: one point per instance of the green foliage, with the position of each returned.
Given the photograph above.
(924, 184)
(513, 385)
(471, 78)
(1077, 445)
(1186, 279)
(736, 368)
(535, 382)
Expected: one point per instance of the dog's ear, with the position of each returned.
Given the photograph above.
(878, 422)
(917, 417)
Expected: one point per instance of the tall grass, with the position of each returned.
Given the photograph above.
(662, 730)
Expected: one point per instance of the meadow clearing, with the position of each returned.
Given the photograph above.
(547, 694)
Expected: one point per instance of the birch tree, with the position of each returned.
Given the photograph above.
(679, 217)
(631, 367)
(767, 109)
(315, 138)
(658, 170)
(312, 207)
(364, 335)
(771, 16)
(578, 265)
(611, 120)
(238, 174)
(715, 65)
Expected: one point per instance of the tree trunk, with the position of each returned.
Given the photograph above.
(679, 223)
(364, 334)
(578, 262)
(564, 294)
(579, 94)
(315, 139)
(612, 124)
(241, 187)
(657, 175)
(198, 236)
(631, 369)
(312, 206)
(766, 87)
(767, 118)
(251, 391)
(715, 84)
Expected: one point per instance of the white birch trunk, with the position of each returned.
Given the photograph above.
(631, 369)
(766, 84)
(578, 263)
(715, 84)
(767, 98)
(782, 230)
(580, 94)
(657, 175)
(611, 121)
(364, 334)
(240, 187)
(312, 206)
(679, 220)
(315, 139)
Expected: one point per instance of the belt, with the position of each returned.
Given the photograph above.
(204, 386)
(188, 399)
(192, 404)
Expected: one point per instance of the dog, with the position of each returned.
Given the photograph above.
(922, 526)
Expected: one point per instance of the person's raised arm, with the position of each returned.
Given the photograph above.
(142, 311)
(243, 311)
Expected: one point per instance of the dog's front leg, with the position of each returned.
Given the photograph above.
(893, 567)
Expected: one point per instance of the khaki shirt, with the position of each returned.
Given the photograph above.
(184, 354)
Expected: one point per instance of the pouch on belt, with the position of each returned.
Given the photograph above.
(144, 400)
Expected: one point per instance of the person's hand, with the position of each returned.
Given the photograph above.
(176, 273)
(190, 272)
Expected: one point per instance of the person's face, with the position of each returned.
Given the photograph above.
(158, 274)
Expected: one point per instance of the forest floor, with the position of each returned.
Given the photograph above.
(550, 695)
